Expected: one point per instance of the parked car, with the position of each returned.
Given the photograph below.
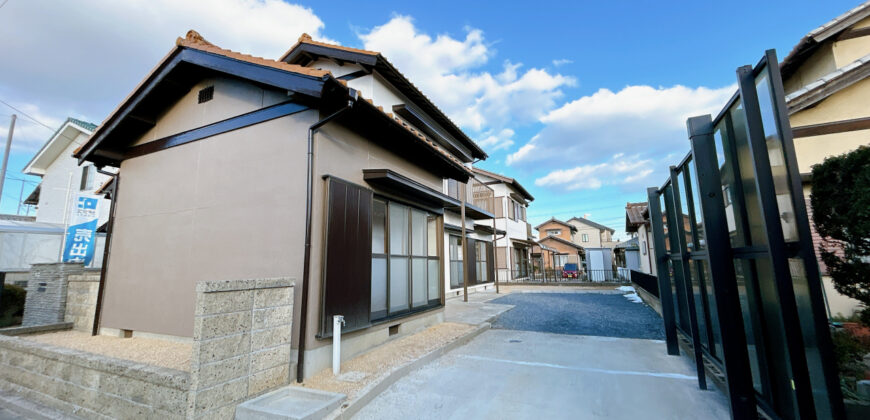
(570, 271)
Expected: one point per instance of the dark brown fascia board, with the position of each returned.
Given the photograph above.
(387, 176)
(832, 127)
(420, 121)
(389, 72)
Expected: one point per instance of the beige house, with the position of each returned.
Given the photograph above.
(305, 168)
(827, 88)
(592, 235)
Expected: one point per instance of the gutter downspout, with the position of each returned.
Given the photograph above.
(306, 270)
(98, 311)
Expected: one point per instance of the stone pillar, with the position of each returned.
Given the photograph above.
(241, 343)
(47, 293)
(81, 300)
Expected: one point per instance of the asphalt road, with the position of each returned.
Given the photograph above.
(600, 314)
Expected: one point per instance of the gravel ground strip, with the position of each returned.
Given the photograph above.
(370, 367)
(164, 353)
(601, 314)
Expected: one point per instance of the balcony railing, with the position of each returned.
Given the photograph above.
(482, 196)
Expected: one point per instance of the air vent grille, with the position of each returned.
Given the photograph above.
(206, 94)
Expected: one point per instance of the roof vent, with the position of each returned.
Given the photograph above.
(206, 94)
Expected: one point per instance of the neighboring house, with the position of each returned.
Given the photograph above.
(591, 234)
(62, 177)
(40, 239)
(214, 184)
(826, 78)
(557, 228)
(553, 251)
(557, 245)
(638, 226)
(597, 242)
(513, 248)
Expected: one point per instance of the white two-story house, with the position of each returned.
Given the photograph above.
(514, 237)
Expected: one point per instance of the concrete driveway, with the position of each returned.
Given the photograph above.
(514, 373)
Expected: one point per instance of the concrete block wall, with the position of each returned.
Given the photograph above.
(91, 386)
(47, 293)
(81, 300)
(241, 344)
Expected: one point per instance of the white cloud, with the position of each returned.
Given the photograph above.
(589, 139)
(447, 70)
(592, 128)
(500, 140)
(562, 62)
(620, 170)
(82, 58)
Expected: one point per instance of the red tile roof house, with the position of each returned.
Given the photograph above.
(239, 175)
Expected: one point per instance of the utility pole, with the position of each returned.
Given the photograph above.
(6, 155)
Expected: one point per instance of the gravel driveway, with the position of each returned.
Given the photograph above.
(603, 313)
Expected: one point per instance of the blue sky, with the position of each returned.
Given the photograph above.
(583, 102)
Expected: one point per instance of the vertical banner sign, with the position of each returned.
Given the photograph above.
(81, 237)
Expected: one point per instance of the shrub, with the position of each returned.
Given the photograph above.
(841, 211)
(12, 305)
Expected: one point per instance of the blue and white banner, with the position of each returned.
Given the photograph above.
(81, 237)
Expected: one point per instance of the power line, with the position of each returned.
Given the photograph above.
(26, 114)
(4, 3)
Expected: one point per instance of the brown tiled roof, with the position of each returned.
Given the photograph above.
(421, 136)
(306, 39)
(635, 213)
(194, 40)
(555, 220)
(560, 240)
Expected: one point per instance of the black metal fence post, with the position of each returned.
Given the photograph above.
(735, 357)
(676, 228)
(665, 296)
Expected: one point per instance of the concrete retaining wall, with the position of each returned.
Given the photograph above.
(241, 348)
(241, 343)
(47, 292)
(81, 300)
(89, 385)
(648, 298)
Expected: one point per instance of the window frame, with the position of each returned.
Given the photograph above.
(432, 302)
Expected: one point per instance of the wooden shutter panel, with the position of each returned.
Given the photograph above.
(347, 257)
(490, 261)
(470, 262)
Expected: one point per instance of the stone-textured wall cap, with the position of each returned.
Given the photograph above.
(245, 284)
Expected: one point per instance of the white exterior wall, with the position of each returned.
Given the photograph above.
(647, 250)
(61, 183)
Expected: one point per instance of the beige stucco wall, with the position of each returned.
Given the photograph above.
(816, 66)
(565, 233)
(223, 208)
(848, 103)
(231, 98)
(594, 234)
(849, 50)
